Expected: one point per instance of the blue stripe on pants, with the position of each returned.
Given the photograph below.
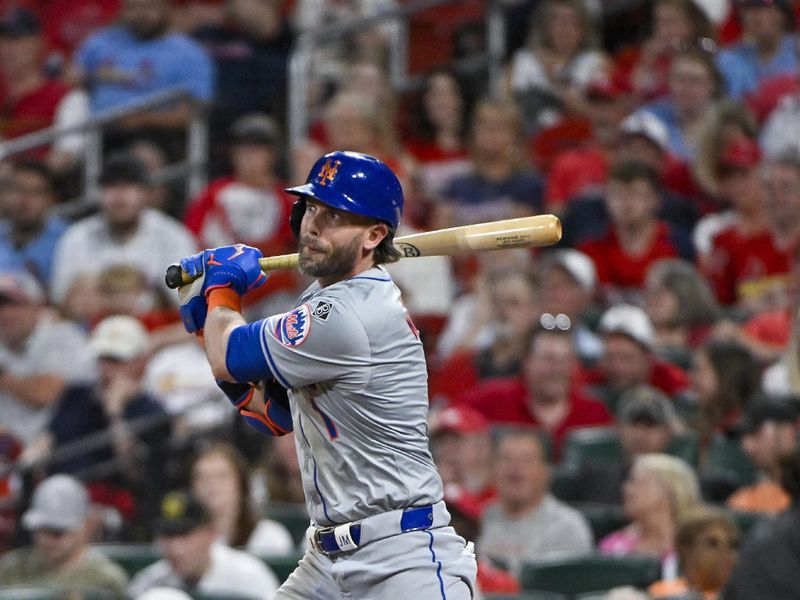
(439, 566)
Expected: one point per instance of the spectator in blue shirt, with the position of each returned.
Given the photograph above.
(30, 232)
(141, 55)
(767, 47)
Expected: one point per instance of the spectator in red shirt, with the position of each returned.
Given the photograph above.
(28, 100)
(628, 360)
(577, 171)
(546, 394)
(438, 133)
(462, 449)
(676, 25)
(744, 263)
(250, 205)
(636, 237)
(500, 336)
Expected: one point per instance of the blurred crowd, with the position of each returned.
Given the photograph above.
(632, 391)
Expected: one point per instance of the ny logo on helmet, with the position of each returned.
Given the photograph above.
(328, 171)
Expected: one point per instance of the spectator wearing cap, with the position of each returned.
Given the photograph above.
(30, 100)
(461, 448)
(636, 237)
(744, 264)
(546, 394)
(39, 356)
(583, 170)
(567, 282)
(125, 230)
(768, 434)
(526, 522)
(646, 423)
(140, 55)
(770, 557)
(30, 231)
(641, 138)
(248, 206)
(767, 47)
(60, 556)
(495, 347)
(194, 562)
(628, 359)
(694, 85)
(681, 307)
(109, 431)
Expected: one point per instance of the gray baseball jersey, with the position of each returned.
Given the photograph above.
(354, 364)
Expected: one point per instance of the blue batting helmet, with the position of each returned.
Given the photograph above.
(353, 182)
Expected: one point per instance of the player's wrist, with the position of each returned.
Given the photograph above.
(224, 297)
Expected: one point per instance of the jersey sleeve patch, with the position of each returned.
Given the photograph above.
(322, 310)
(294, 327)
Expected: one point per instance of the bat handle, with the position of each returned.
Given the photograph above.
(175, 277)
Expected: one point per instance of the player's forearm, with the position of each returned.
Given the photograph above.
(223, 317)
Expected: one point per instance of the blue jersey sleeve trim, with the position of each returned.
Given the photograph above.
(244, 358)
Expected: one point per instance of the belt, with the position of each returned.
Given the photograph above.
(350, 536)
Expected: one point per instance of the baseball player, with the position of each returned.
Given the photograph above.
(352, 362)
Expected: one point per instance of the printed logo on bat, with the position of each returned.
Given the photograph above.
(408, 250)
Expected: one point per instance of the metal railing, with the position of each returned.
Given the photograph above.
(301, 59)
(193, 168)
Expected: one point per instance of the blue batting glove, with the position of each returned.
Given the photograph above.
(192, 305)
(227, 266)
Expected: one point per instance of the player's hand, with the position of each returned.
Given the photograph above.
(192, 305)
(235, 267)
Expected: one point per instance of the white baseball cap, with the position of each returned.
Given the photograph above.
(59, 502)
(577, 264)
(121, 337)
(647, 125)
(628, 320)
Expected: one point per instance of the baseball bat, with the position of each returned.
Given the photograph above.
(524, 232)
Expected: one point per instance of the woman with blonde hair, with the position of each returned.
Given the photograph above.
(657, 495)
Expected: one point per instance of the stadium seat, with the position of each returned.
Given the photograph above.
(131, 557)
(591, 573)
(603, 518)
(727, 456)
(592, 443)
(747, 520)
(282, 566)
(293, 516)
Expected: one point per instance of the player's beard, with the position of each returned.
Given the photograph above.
(339, 262)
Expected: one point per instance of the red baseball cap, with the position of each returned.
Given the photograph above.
(458, 419)
(742, 153)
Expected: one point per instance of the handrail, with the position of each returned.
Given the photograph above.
(50, 134)
(302, 54)
(93, 148)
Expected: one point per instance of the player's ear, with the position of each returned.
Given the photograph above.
(375, 235)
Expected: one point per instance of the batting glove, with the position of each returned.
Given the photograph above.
(235, 267)
(192, 305)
